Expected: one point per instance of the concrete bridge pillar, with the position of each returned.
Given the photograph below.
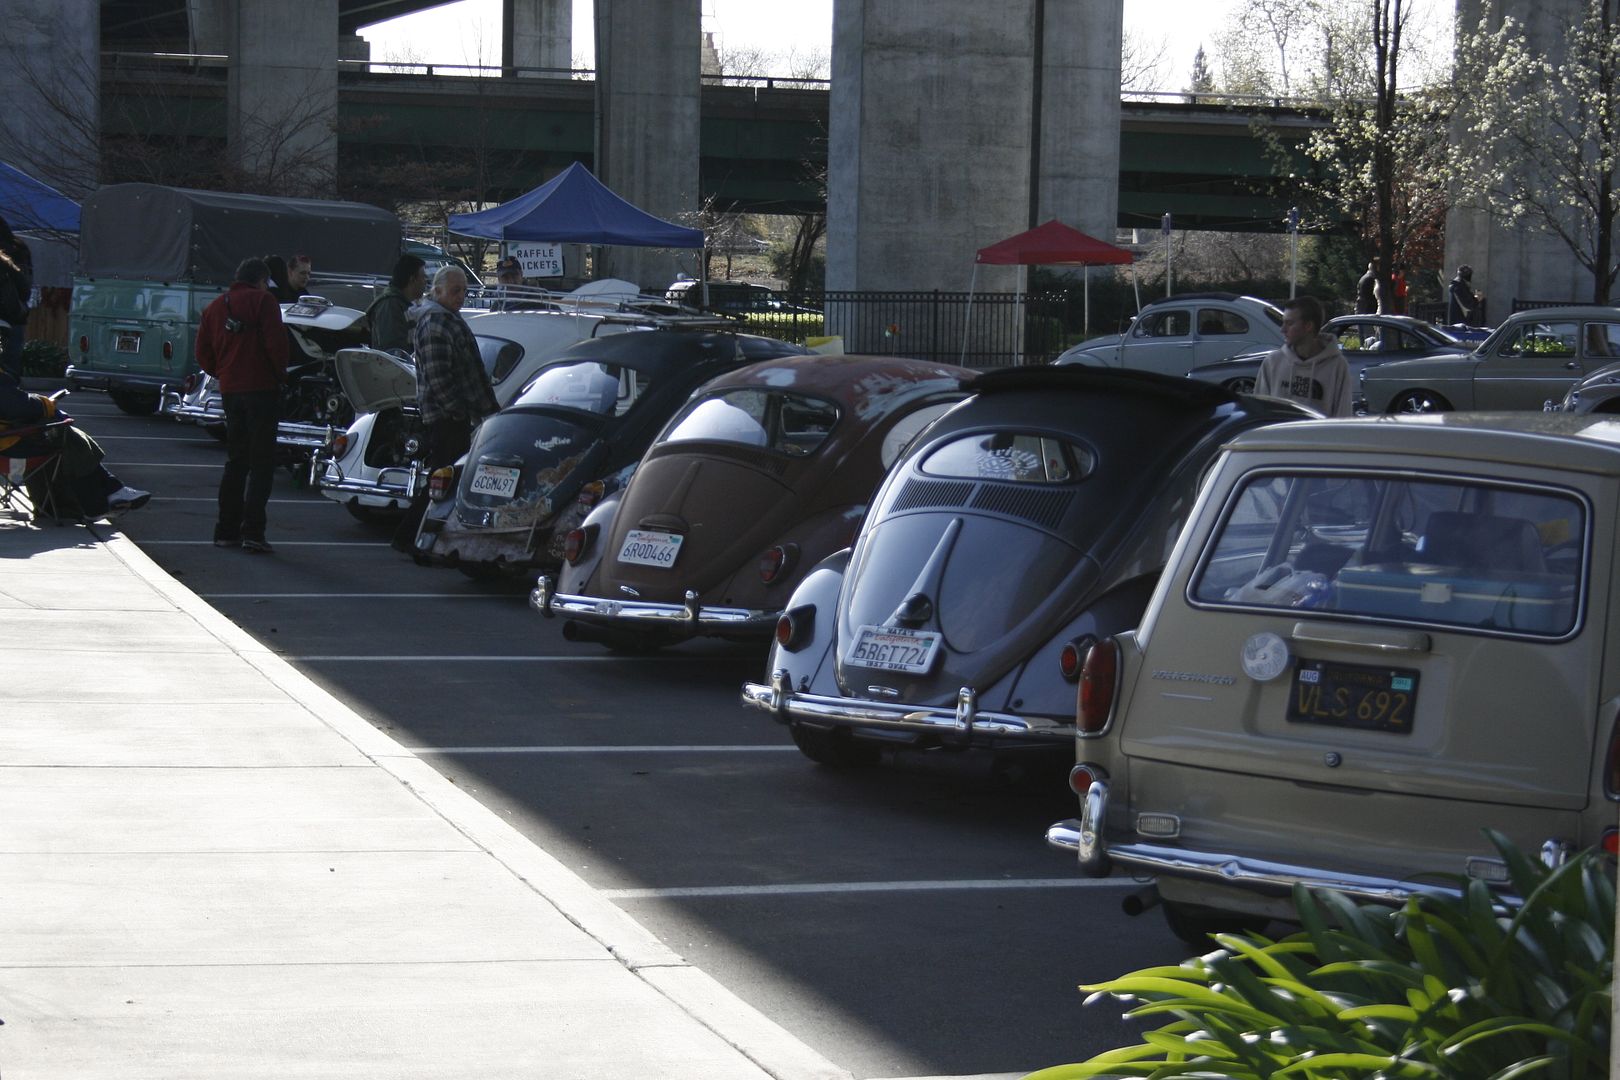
(50, 80)
(1516, 261)
(647, 123)
(955, 124)
(538, 34)
(281, 102)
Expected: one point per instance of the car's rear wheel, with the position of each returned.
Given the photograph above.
(1240, 385)
(1193, 924)
(1419, 401)
(134, 402)
(836, 748)
(377, 516)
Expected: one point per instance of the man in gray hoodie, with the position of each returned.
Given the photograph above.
(1310, 368)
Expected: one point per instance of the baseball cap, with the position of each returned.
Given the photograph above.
(509, 265)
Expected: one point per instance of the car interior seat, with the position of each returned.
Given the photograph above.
(1483, 542)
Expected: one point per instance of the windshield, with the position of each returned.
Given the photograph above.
(787, 423)
(599, 389)
(500, 356)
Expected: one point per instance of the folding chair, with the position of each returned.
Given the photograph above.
(29, 484)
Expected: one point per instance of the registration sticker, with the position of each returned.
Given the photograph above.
(497, 480)
(894, 648)
(646, 548)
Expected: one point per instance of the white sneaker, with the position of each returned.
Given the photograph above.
(127, 498)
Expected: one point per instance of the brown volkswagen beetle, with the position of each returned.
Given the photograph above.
(765, 471)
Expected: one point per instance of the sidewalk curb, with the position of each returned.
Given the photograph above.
(750, 1032)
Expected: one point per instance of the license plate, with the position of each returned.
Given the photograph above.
(496, 480)
(650, 548)
(127, 343)
(1354, 696)
(306, 310)
(894, 648)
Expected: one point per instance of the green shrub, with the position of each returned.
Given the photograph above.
(43, 359)
(1448, 989)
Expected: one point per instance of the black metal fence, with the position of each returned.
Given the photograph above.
(978, 329)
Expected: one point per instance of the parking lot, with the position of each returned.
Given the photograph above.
(905, 920)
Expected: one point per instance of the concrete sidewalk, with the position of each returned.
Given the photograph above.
(211, 868)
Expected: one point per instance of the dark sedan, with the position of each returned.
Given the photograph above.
(1027, 522)
(1365, 340)
(761, 475)
(577, 430)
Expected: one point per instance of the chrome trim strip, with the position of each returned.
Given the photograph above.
(1262, 873)
(688, 615)
(964, 719)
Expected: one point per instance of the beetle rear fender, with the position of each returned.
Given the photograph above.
(818, 591)
(574, 579)
(1040, 688)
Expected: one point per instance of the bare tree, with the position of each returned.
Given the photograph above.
(1143, 62)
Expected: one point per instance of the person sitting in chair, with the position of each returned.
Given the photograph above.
(85, 484)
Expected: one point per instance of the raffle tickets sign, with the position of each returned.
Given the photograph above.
(539, 260)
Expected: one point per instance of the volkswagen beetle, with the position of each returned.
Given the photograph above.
(1028, 521)
(763, 473)
(585, 419)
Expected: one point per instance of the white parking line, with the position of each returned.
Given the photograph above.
(215, 465)
(155, 438)
(215, 499)
(774, 748)
(487, 659)
(352, 595)
(278, 543)
(823, 888)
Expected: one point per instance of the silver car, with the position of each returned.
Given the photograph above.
(1174, 335)
(1375, 640)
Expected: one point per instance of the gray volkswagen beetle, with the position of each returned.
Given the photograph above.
(1023, 525)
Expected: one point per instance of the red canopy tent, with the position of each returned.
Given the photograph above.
(1051, 244)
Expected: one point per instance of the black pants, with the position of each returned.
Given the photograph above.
(250, 463)
(82, 482)
(443, 443)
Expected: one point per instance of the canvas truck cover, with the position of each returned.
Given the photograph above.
(149, 232)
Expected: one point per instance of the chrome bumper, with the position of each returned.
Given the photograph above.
(1084, 837)
(780, 699)
(689, 616)
(393, 482)
(288, 432)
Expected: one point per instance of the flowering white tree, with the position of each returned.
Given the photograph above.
(1540, 133)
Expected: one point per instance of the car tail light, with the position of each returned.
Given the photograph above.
(577, 544)
(340, 443)
(1611, 770)
(1099, 678)
(168, 350)
(189, 383)
(591, 493)
(84, 343)
(1610, 842)
(794, 627)
(777, 562)
(442, 483)
(1080, 778)
(1073, 655)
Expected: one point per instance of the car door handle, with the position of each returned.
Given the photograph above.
(1385, 641)
(1573, 366)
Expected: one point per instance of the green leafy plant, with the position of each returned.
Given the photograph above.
(1439, 989)
(41, 358)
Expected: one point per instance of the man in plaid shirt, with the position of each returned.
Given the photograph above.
(452, 387)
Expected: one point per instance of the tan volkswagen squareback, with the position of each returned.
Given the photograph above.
(1375, 639)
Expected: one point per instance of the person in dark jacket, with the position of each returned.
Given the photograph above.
(1368, 292)
(1463, 304)
(89, 484)
(390, 328)
(241, 342)
(16, 286)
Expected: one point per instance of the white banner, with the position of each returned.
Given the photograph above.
(539, 260)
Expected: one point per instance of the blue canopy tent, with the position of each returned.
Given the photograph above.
(575, 207)
(29, 205)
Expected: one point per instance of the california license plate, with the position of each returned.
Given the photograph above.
(646, 548)
(497, 480)
(894, 648)
(1353, 695)
(306, 310)
(127, 343)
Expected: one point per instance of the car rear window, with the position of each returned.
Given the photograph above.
(1019, 457)
(603, 389)
(1436, 551)
(500, 356)
(788, 423)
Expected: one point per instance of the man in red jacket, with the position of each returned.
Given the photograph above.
(242, 343)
